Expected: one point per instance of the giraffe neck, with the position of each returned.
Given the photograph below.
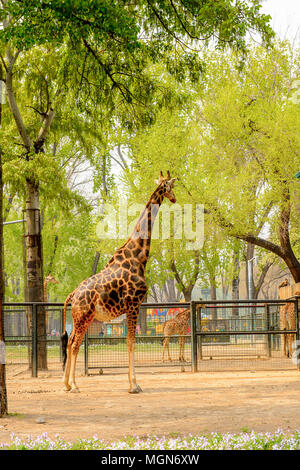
(141, 235)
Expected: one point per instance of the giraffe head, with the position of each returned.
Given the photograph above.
(167, 184)
(50, 278)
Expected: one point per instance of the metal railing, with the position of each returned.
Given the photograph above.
(267, 331)
(221, 333)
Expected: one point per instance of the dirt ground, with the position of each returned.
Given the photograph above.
(172, 403)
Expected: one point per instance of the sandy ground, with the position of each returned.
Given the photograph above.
(172, 403)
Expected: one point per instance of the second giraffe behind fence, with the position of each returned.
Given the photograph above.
(176, 326)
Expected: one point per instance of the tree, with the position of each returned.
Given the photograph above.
(112, 44)
(253, 150)
(3, 393)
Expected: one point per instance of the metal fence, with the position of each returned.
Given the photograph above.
(223, 335)
(241, 335)
(106, 343)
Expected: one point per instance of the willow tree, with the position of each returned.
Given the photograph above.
(246, 150)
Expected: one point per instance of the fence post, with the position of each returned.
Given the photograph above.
(199, 340)
(269, 337)
(61, 331)
(34, 340)
(297, 332)
(193, 337)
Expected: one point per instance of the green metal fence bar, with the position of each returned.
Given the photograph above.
(199, 342)
(194, 337)
(269, 338)
(297, 332)
(34, 347)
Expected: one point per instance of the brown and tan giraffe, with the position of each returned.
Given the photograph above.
(289, 323)
(119, 288)
(178, 325)
(49, 279)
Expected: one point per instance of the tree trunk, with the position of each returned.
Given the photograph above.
(187, 292)
(95, 263)
(249, 270)
(235, 294)
(3, 393)
(34, 266)
(213, 296)
(172, 294)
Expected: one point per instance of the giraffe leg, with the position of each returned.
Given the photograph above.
(79, 329)
(168, 348)
(290, 344)
(285, 345)
(181, 349)
(131, 328)
(166, 344)
(72, 384)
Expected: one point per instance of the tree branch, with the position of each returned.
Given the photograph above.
(13, 103)
(38, 144)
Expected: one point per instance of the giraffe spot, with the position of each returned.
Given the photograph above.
(140, 292)
(136, 252)
(119, 258)
(114, 296)
(126, 265)
(131, 245)
(127, 253)
(103, 296)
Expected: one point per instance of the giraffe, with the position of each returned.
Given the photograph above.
(289, 323)
(283, 321)
(178, 325)
(119, 288)
(47, 281)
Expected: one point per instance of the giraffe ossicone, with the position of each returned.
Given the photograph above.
(118, 289)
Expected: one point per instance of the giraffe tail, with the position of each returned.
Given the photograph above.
(64, 343)
(64, 337)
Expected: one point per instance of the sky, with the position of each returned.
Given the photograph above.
(285, 17)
